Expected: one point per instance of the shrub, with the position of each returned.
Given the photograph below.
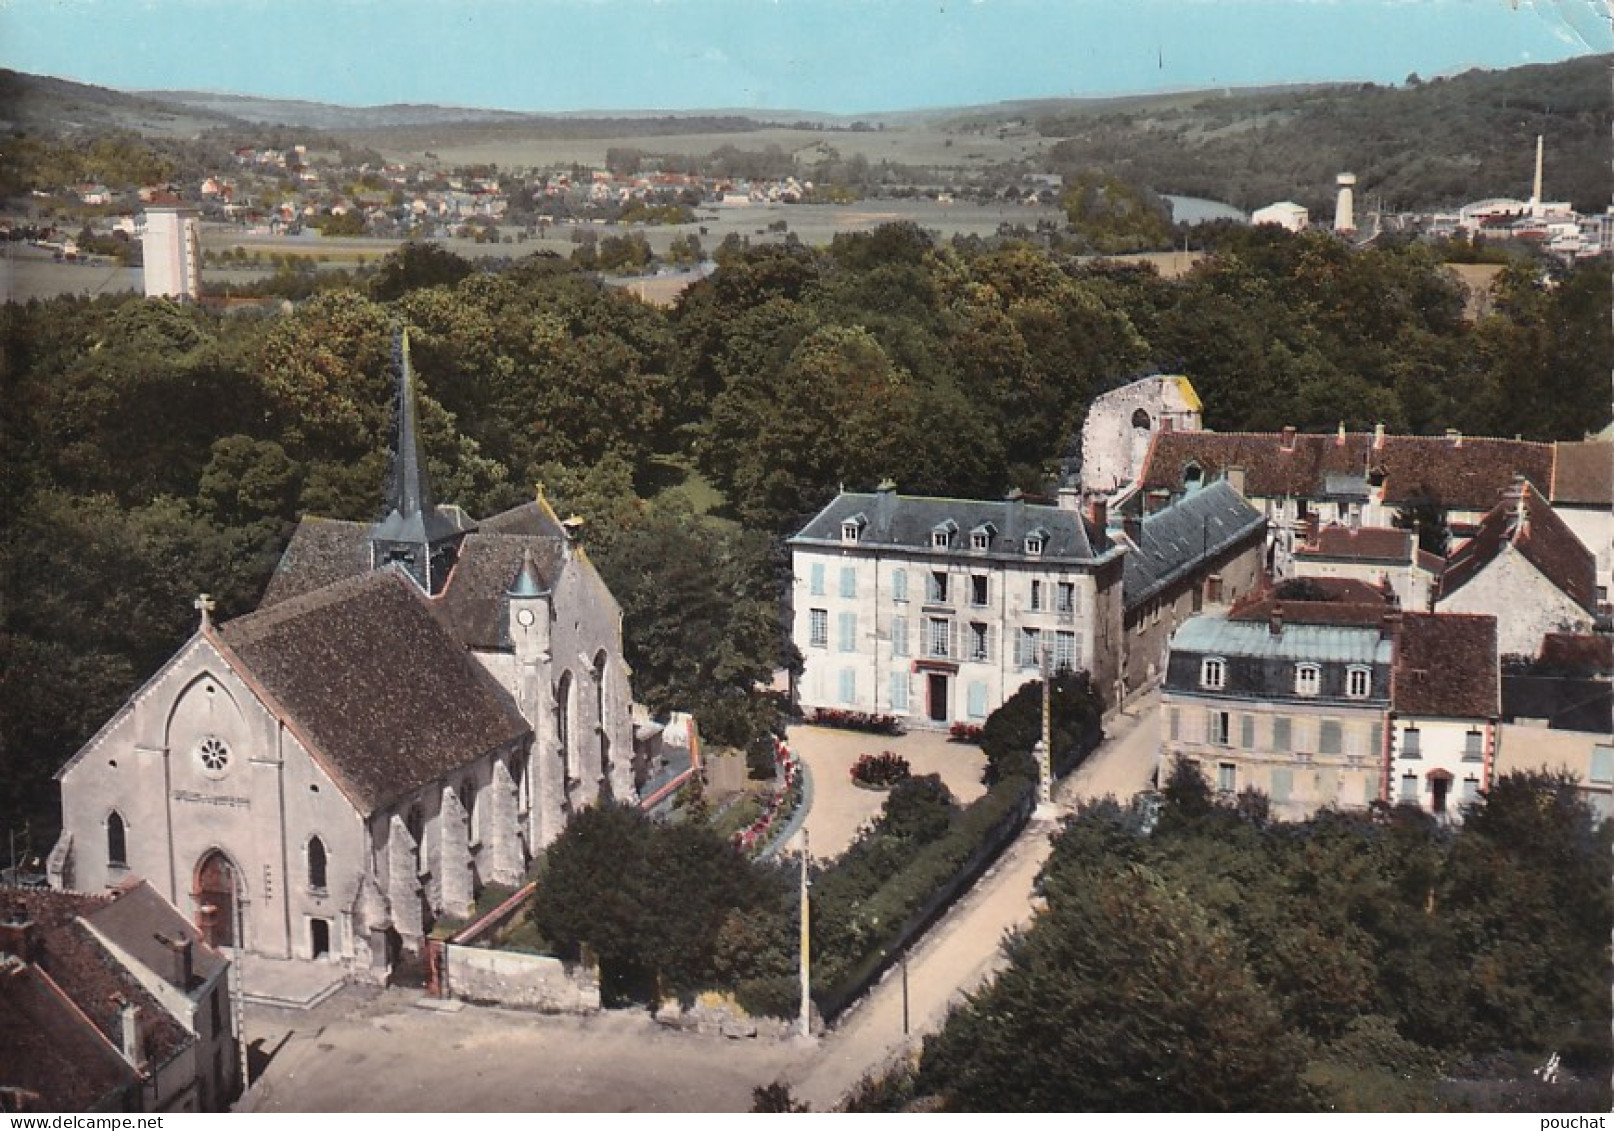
(880, 771)
(857, 720)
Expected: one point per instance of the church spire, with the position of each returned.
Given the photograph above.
(413, 532)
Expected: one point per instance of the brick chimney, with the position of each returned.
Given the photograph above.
(1275, 620)
(134, 1050)
(182, 961)
(1378, 436)
(1339, 437)
(1390, 626)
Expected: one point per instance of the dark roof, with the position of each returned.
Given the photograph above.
(92, 978)
(1583, 473)
(1174, 541)
(322, 550)
(1567, 703)
(1446, 666)
(1464, 473)
(1524, 521)
(410, 513)
(1345, 602)
(1363, 544)
(52, 1058)
(489, 564)
(534, 519)
(1578, 653)
(146, 926)
(377, 683)
(907, 522)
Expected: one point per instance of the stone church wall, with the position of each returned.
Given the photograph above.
(518, 980)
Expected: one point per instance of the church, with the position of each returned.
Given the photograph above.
(414, 710)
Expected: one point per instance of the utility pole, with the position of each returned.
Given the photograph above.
(805, 1023)
(1045, 745)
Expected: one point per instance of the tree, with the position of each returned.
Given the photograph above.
(415, 266)
(1014, 728)
(1424, 514)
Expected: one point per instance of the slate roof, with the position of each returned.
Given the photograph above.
(1446, 666)
(375, 679)
(1527, 523)
(1583, 474)
(474, 601)
(92, 980)
(1363, 544)
(1467, 474)
(322, 550)
(1585, 705)
(1174, 541)
(143, 923)
(906, 522)
(535, 520)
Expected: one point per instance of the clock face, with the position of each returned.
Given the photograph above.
(526, 617)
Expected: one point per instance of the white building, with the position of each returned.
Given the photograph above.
(937, 610)
(1286, 214)
(1445, 707)
(1121, 423)
(171, 245)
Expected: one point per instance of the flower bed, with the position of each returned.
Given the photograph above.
(857, 720)
(880, 771)
(783, 802)
(965, 732)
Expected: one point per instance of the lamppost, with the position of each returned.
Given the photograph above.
(1043, 750)
(805, 1021)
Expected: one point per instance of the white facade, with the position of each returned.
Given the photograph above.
(1441, 764)
(1526, 605)
(172, 251)
(943, 634)
(1286, 214)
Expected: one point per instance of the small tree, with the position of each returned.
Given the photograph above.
(1424, 514)
(1014, 729)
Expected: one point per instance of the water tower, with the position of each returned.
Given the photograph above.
(1345, 208)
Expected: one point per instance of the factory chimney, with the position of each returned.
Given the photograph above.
(1535, 187)
(1345, 209)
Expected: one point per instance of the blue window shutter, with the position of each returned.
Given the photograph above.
(848, 686)
(848, 632)
(977, 700)
(899, 690)
(899, 585)
(848, 581)
(818, 579)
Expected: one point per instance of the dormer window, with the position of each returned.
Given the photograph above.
(981, 537)
(1358, 682)
(852, 528)
(1213, 673)
(941, 535)
(1193, 477)
(1035, 541)
(1308, 679)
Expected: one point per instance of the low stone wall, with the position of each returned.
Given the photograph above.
(517, 980)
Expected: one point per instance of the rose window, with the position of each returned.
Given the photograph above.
(214, 754)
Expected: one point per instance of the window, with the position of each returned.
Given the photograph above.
(1471, 788)
(1330, 738)
(899, 636)
(1409, 789)
(899, 691)
(1283, 784)
(936, 587)
(316, 864)
(1282, 734)
(899, 585)
(1036, 596)
(1065, 658)
(1602, 767)
(981, 537)
(977, 700)
(980, 648)
(1065, 598)
(1227, 778)
(117, 844)
(1473, 746)
(1173, 724)
(1308, 679)
(1375, 740)
(1213, 673)
(818, 632)
(936, 637)
(1217, 729)
(815, 574)
(852, 528)
(1411, 743)
(941, 537)
(214, 756)
(1035, 542)
(848, 581)
(1358, 682)
(1213, 589)
(848, 686)
(1247, 731)
(978, 588)
(1030, 648)
(848, 640)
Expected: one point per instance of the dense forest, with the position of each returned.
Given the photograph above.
(156, 451)
(1205, 958)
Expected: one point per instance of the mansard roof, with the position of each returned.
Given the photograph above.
(375, 679)
(1524, 521)
(1446, 666)
(1174, 541)
(906, 522)
(1466, 473)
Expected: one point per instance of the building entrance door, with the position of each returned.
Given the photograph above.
(215, 899)
(936, 697)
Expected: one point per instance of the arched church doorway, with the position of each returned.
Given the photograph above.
(215, 899)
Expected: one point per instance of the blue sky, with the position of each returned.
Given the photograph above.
(845, 56)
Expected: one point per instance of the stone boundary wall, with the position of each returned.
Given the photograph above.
(517, 980)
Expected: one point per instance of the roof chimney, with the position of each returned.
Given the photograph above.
(1455, 436)
(1275, 621)
(1069, 497)
(1339, 437)
(1235, 478)
(1390, 625)
(133, 1046)
(17, 936)
(1378, 436)
(885, 506)
(1288, 443)
(182, 968)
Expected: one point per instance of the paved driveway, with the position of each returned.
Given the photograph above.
(841, 808)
